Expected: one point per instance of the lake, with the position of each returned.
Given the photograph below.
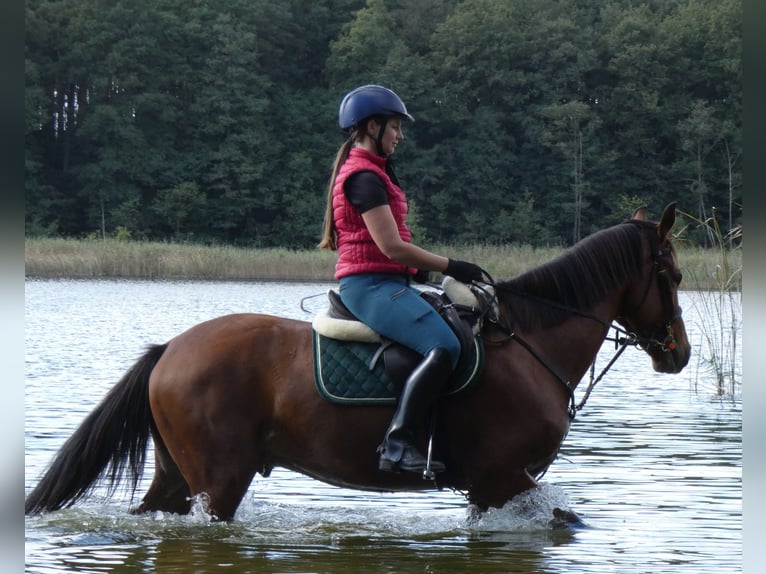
(652, 464)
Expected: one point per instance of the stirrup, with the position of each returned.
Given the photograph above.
(428, 471)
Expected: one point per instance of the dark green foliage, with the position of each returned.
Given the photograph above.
(537, 121)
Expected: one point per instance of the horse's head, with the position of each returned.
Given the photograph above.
(650, 307)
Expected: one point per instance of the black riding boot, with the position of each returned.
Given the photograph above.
(398, 451)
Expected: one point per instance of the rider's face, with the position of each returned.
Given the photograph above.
(391, 136)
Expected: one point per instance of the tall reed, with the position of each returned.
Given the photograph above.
(720, 304)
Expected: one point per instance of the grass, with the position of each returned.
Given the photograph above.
(154, 260)
(95, 258)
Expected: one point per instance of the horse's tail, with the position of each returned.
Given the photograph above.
(114, 434)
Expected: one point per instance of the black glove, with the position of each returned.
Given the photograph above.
(463, 271)
(421, 276)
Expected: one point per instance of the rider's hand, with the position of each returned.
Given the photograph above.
(464, 271)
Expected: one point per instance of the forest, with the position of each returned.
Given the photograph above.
(536, 121)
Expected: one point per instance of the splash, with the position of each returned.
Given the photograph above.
(200, 510)
(540, 508)
(401, 515)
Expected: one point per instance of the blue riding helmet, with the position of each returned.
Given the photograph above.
(367, 101)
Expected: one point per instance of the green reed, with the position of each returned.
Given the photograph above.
(718, 285)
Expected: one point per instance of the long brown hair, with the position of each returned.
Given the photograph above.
(329, 233)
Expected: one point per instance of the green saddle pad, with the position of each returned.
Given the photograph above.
(342, 372)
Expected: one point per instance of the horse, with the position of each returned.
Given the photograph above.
(235, 395)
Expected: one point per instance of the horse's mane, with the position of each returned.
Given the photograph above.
(577, 279)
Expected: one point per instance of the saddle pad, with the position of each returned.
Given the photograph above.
(342, 373)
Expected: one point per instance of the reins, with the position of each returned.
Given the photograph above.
(511, 334)
(622, 338)
(620, 344)
(623, 342)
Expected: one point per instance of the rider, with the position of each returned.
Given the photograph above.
(365, 223)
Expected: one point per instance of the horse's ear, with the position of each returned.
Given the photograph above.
(640, 213)
(667, 221)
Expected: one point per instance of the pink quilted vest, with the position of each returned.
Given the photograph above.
(357, 252)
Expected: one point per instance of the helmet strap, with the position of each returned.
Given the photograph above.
(381, 133)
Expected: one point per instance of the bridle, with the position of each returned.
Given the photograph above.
(662, 336)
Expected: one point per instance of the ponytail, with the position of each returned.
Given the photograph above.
(329, 233)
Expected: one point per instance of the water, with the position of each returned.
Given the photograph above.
(652, 465)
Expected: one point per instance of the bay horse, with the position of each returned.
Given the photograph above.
(235, 396)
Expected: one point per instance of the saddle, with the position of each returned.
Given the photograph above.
(356, 365)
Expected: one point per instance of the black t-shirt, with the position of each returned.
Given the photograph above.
(365, 190)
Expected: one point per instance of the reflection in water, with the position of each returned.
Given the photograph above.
(652, 467)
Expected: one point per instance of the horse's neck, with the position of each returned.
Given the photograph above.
(571, 347)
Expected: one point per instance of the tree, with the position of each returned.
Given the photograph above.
(699, 135)
(570, 132)
(360, 54)
(177, 204)
(533, 115)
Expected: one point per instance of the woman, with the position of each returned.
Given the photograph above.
(365, 223)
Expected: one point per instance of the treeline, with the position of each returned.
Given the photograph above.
(537, 121)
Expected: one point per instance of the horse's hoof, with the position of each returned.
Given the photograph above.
(474, 513)
(566, 519)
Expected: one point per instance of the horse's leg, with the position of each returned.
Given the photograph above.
(208, 406)
(219, 469)
(491, 494)
(213, 449)
(224, 484)
(169, 491)
(496, 489)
